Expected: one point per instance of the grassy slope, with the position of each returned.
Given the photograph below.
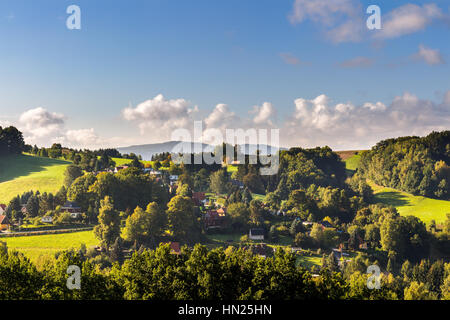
(22, 173)
(34, 246)
(407, 204)
(426, 209)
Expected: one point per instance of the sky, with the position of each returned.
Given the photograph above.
(138, 70)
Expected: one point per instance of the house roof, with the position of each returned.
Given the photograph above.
(199, 195)
(257, 232)
(3, 206)
(175, 246)
(4, 219)
(71, 204)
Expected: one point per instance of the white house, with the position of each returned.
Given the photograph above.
(256, 234)
(47, 219)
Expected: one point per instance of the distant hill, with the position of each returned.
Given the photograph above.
(148, 150)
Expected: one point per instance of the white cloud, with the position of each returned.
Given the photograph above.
(341, 19)
(263, 114)
(160, 116)
(221, 117)
(357, 62)
(408, 19)
(321, 11)
(429, 56)
(38, 123)
(345, 20)
(318, 122)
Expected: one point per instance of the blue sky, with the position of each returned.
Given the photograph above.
(234, 52)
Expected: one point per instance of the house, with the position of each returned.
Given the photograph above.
(256, 234)
(2, 208)
(199, 198)
(237, 183)
(326, 224)
(214, 219)
(261, 250)
(4, 222)
(363, 246)
(117, 169)
(222, 211)
(24, 209)
(47, 219)
(73, 208)
(173, 178)
(174, 247)
(307, 223)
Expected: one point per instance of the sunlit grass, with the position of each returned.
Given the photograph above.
(22, 173)
(35, 246)
(426, 209)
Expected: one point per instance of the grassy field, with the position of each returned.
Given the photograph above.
(352, 162)
(424, 208)
(35, 246)
(22, 173)
(309, 261)
(122, 161)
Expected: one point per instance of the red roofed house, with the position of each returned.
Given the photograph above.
(2, 208)
(199, 198)
(214, 219)
(4, 223)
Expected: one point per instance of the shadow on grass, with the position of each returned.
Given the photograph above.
(392, 198)
(15, 166)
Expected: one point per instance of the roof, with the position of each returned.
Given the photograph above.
(4, 219)
(199, 195)
(326, 224)
(71, 204)
(3, 206)
(257, 232)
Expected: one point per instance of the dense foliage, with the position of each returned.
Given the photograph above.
(412, 164)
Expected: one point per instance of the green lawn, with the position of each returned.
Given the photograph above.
(424, 208)
(309, 261)
(35, 246)
(352, 162)
(22, 173)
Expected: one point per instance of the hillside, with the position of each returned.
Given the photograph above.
(351, 159)
(21, 173)
(426, 209)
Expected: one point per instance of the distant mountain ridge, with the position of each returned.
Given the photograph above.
(148, 150)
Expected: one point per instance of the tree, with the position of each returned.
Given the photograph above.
(181, 219)
(254, 183)
(108, 228)
(145, 227)
(418, 291)
(116, 252)
(239, 214)
(72, 172)
(32, 207)
(219, 182)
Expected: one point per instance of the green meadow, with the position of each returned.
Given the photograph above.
(22, 173)
(35, 246)
(426, 209)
